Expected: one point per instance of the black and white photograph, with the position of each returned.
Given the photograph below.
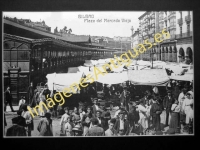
(97, 73)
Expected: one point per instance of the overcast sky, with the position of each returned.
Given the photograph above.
(80, 26)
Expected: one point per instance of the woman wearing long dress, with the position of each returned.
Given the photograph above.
(143, 117)
(187, 107)
(148, 107)
(175, 119)
(28, 118)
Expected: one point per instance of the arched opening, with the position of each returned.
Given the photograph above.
(166, 54)
(174, 54)
(162, 54)
(159, 53)
(170, 54)
(181, 55)
(189, 55)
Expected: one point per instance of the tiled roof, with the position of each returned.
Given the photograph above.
(83, 39)
(70, 38)
(28, 40)
(55, 41)
(95, 44)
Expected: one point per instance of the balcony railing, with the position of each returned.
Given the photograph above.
(183, 35)
(172, 13)
(172, 37)
(187, 18)
(180, 21)
(161, 18)
(172, 26)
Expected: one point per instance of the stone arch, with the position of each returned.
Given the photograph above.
(162, 53)
(159, 53)
(174, 54)
(181, 55)
(189, 54)
(166, 54)
(170, 54)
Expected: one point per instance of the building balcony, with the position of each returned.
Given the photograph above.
(172, 14)
(153, 21)
(180, 21)
(188, 18)
(153, 16)
(153, 25)
(172, 26)
(161, 20)
(145, 37)
(150, 32)
(184, 35)
(172, 37)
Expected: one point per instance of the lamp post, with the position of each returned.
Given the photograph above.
(152, 53)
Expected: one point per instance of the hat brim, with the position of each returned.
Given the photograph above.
(76, 129)
(98, 111)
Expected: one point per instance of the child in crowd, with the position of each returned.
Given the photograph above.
(81, 113)
(64, 119)
(69, 126)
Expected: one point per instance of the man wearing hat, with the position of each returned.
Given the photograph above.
(99, 118)
(95, 107)
(125, 98)
(155, 112)
(22, 101)
(16, 129)
(8, 99)
(105, 117)
(176, 89)
(167, 104)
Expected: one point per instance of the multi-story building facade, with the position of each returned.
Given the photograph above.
(147, 30)
(167, 20)
(134, 40)
(184, 36)
(179, 46)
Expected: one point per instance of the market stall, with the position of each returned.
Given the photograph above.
(154, 77)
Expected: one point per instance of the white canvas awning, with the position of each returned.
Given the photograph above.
(112, 78)
(73, 70)
(185, 77)
(60, 81)
(152, 77)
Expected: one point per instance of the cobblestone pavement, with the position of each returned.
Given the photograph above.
(56, 125)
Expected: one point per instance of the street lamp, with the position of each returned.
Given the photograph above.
(152, 53)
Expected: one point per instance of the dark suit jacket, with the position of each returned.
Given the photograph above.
(16, 130)
(167, 103)
(8, 96)
(126, 127)
(155, 108)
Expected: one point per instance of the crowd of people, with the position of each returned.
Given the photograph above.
(106, 118)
